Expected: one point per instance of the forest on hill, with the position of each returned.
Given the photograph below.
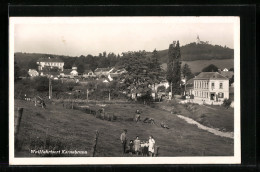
(190, 52)
(193, 51)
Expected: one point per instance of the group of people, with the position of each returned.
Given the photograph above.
(136, 146)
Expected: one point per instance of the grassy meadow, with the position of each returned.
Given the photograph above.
(57, 127)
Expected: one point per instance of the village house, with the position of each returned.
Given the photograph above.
(88, 74)
(50, 62)
(103, 71)
(211, 88)
(69, 73)
(164, 83)
(189, 87)
(117, 72)
(227, 74)
(33, 73)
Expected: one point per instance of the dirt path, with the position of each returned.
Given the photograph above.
(211, 130)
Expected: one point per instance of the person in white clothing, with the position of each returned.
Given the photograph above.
(151, 145)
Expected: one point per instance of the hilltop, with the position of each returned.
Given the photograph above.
(193, 51)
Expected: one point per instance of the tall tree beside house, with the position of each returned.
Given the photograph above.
(155, 69)
(171, 56)
(137, 79)
(174, 68)
(186, 72)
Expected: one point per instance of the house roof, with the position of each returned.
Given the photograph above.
(50, 60)
(190, 81)
(210, 76)
(227, 74)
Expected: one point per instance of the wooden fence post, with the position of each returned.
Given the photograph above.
(95, 143)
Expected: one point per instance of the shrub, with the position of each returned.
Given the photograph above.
(227, 103)
(114, 117)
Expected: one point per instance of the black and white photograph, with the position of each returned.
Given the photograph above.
(124, 90)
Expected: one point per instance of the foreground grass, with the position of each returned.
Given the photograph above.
(75, 130)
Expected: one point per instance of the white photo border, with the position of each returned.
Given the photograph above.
(236, 159)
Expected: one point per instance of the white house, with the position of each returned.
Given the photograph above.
(69, 73)
(162, 83)
(225, 70)
(211, 87)
(33, 73)
(50, 62)
(103, 71)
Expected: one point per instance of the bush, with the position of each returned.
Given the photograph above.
(227, 103)
(114, 117)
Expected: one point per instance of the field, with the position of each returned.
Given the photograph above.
(198, 65)
(59, 128)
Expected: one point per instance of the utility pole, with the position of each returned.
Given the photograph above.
(185, 85)
(171, 91)
(109, 95)
(50, 88)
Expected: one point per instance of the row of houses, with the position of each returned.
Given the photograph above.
(46, 67)
(206, 87)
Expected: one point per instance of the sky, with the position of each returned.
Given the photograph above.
(75, 36)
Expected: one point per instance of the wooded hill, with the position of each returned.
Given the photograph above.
(189, 52)
(193, 51)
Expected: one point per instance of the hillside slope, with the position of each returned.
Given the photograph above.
(193, 51)
(198, 65)
(75, 130)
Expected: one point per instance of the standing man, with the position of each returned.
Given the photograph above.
(123, 140)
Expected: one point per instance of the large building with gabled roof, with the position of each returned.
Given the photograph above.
(50, 63)
(211, 87)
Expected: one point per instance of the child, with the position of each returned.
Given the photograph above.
(131, 146)
(145, 148)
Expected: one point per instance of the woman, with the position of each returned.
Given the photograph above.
(151, 145)
(137, 145)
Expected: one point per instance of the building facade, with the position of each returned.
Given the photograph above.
(50, 63)
(211, 87)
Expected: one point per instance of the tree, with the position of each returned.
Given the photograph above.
(137, 78)
(32, 64)
(16, 71)
(81, 68)
(174, 68)
(186, 72)
(210, 68)
(155, 68)
(231, 69)
(231, 80)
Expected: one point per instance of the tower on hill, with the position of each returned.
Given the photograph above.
(198, 40)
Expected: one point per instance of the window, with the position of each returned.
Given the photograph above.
(221, 85)
(212, 85)
(220, 95)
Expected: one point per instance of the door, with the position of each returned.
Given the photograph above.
(212, 96)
